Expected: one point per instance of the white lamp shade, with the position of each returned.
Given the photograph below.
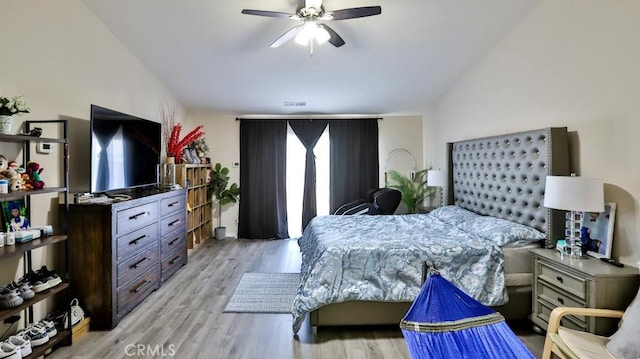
(436, 178)
(574, 193)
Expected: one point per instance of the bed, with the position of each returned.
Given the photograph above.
(367, 269)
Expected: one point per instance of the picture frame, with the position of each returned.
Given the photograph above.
(596, 230)
(14, 215)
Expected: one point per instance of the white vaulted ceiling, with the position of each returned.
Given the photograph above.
(211, 57)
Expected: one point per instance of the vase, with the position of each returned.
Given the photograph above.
(5, 124)
(169, 173)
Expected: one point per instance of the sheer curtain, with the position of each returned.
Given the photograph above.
(354, 159)
(263, 197)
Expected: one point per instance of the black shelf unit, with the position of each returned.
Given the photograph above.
(24, 249)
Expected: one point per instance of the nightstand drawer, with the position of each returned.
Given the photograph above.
(558, 298)
(544, 309)
(575, 285)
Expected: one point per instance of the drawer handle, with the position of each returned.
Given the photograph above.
(174, 260)
(174, 241)
(135, 217)
(174, 223)
(560, 300)
(142, 285)
(135, 241)
(559, 279)
(135, 266)
(173, 204)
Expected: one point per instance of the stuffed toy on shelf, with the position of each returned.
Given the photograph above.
(33, 172)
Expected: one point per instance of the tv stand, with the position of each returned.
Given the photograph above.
(120, 252)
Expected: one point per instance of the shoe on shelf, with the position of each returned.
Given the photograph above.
(53, 279)
(21, 341)
(9, 351)
(48, 326)
(37, 281)
(24, 289)
(9, 298)
(37, 335)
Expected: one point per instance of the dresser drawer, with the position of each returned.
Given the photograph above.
(172, 242)
(173, 204)
(174, 261)
(132, 243)
(543, 312)
(136, 291)
(173, 223)
(136, 217)
(575, 285)
(136, 265)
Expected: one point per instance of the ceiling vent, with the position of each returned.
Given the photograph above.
(295, 103)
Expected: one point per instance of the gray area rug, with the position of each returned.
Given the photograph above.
(264, 293)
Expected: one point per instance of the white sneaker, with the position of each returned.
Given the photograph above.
(9, 351)
(37, 335)
(49, 327)
(21, 341)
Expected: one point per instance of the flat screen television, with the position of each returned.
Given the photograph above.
(125, 150)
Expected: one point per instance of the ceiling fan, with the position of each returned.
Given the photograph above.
(310, 14)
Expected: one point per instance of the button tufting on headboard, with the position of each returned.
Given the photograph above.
(521, 162)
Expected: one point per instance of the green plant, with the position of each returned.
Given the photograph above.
(218, 186)
(414, 191)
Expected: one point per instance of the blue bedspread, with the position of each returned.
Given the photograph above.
(379, 258)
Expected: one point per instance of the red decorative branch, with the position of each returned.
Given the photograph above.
(175, 145)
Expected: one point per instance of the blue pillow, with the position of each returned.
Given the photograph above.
(453, 215)
(501, 231)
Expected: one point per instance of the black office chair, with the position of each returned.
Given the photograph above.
(381, 201)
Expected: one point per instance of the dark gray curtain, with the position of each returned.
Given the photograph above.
(309, 133)
(263, 198)
(354, 160)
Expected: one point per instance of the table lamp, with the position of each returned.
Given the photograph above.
(437, 178)
(578, 195)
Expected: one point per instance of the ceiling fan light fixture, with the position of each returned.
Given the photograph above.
(322, 35)
(303, 37)
(310, 31)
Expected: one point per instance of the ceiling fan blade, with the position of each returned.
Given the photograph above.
(355, 12)
(287, 36)
(266, 13)
(335, 39)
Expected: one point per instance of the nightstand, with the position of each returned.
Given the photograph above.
(580, 282)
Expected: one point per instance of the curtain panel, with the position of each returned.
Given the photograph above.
(263, 197)
(353, 160)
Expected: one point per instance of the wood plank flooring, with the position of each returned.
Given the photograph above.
(184, 318)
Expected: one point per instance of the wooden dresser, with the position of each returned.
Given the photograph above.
(121, 252)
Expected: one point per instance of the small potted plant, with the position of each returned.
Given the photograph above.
(9, 107)
(414, 190)
(219, 187)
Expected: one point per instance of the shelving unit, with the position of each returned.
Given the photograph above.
(193, 177)
(24, 249)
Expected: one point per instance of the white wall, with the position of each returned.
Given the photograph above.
(222, 132)
(62, 59)
(568, 63)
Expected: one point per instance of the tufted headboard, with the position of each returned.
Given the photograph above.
(504, 176)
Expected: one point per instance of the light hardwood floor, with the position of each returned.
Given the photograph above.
(184, 318)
